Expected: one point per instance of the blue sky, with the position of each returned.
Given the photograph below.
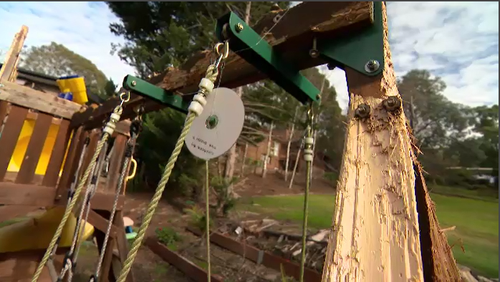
(457, 41)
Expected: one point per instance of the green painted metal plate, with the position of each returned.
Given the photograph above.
(244, 41)
(146, 89)
(356, 50)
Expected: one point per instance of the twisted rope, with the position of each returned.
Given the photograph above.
(207, 219)
(69, 209)
(211, 74)
(306, 212)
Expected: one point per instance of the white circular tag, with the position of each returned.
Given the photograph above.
(218, 127)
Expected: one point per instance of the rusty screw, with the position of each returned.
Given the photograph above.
(391, 104)
(362, 111)
(238, 27)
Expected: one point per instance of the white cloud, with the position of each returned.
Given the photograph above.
(80, 26)
(457, 41)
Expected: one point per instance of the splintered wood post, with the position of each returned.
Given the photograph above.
(376, 228)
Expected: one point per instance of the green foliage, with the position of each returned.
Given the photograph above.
(110, 88)
(57, 60)
(167, 236)
(155, 145)
(224, 200)
(197, 218)
(435, 117)
(159, 34)
(331, 177)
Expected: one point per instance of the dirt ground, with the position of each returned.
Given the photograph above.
(232, 267)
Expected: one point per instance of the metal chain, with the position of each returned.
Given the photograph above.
(108, 130)
(121, 181)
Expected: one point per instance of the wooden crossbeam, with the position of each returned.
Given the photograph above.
(33, 99)
(292, 35)
(39, 196)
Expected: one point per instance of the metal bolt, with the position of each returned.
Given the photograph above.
(391, 104)
(372, 66)
(238, 27)
(362, 111)
(314, 53)
(134, 83)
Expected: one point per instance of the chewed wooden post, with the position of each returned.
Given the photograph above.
(376, 228)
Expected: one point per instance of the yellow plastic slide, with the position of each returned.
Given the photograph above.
(37, 232)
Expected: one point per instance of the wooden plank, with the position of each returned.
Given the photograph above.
(11, 212)
(20, 266)
(122, 245)
(33, 99)
(101, 223)
(33, 152)
(268, 260)
(71, 163)
(190, 269)
(89, 153)
(434, 245)
(8, 70)
(292, 35)
(57, 156)
(375, 218)
(40, 196)
(9, 137)
(116, 163)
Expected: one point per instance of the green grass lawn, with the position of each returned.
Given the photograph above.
(476, 223)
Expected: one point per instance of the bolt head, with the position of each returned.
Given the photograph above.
(314, 53)
(391, 104)
(134, 83)
(238, 27)
(372, 66)
(362, 111)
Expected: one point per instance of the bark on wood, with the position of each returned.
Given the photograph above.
(268, 152)
(292, 131)
(296, 165)
(292, 35)
(376, 230)
(244, 160)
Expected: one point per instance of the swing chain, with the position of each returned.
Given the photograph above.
(135, 129)
(107, 132)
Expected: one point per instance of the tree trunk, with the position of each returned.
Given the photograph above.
(269, 143)
(377, 231)
(242, 172)
(292, 131)
(296, 165)
(231, 154)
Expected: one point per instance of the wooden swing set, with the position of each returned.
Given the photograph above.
(384, 225)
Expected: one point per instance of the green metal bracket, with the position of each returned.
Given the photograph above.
(146, 89)
(243, 41)
(363, 51)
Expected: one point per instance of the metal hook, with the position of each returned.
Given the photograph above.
(226, 49)
(222, 56)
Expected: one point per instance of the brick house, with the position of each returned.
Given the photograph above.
(277, 159)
